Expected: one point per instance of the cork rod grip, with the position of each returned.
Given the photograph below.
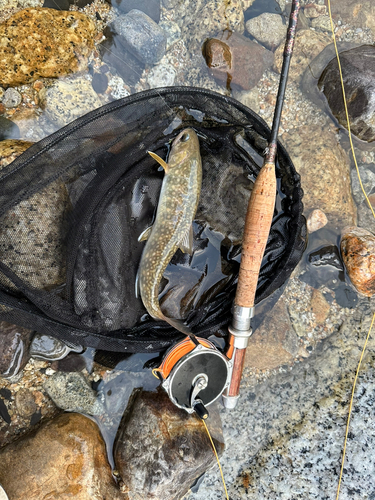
(257, 227)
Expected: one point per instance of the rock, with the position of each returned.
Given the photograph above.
(269, 29)
(161, 75)
(308, 44)
(169, 4)
(99, 82)
(71, 392)
(172, 450)
(356, 14)
(249, 98)
(25, 403)
(141, 36)
(172, 31)
(44, 43)
(39, 261)
(67, 100)
(358, 69)
(11, 98)
(49, 348)
(322, 23)
(57, 4)
(14, 344)
(8, 129)
(358, 253)
(325, 172)
(72, 363)
(66, 458)
(313, 10)
(151, 9)
(236, 61)
(316, 220)
(302, 23)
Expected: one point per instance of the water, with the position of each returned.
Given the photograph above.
(320, 268)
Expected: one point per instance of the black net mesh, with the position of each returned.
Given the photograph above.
(73, 206)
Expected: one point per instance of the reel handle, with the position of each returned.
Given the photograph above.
(257, 227)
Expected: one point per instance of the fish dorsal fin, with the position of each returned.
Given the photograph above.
(144, 236)
(161, 162)
(186, 244)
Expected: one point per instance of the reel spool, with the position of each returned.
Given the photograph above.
(194, 374)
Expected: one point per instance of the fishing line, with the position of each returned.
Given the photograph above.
(217, 458)
(373, 213)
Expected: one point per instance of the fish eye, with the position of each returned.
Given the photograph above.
(185, 137)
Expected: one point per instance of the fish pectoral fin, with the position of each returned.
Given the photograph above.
(186, 244)
(144, 236)
(161, 162)
(137, 288)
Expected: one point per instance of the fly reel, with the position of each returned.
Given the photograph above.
(194, 373)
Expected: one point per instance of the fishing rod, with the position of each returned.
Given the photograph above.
(194, 372)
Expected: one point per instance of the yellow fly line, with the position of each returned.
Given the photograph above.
(373, 213)
(217, 458)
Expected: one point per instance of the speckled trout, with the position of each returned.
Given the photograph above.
(172, 228)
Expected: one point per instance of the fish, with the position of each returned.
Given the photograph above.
(172, 228)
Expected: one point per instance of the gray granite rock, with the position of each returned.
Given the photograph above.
(150, 8)
(161, 75)
(11, 98)
(269, 29)
(72, 392)
(141, 35)
(173, 32)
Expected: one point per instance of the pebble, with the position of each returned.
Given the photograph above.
(11, 98)
(141, 35)
(235, 61)
(71, 392)
(358, 253)
(161, 75)
(25, 403)
(8, 129)
(172, 449)
(99, 83)
(316, 220)
(44, 43)
(269, 29)
(65, 458)
(67, 100)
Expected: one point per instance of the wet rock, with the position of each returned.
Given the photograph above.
(307, 46)
(67, 100)
(57, 4)
(141, 36)
(325, 172)
(316, 220)
(358, 253)
(169, 4)
(151, 9)
(322, 23)
(44, 43)
(99, 82)
(72, 363)
(313, 10)
(14, 344)
(71, 392)
(11, 98)
(358, 68)
(8, 129)
(236, 61)
(161, 75)
(66, 458)
(249, 98)
(40, 260)
(173, 449)
(357, 14)
(173, 32)
(49, 348)
(269, 29)
(25, 403)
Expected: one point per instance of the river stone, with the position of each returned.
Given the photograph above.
(14, 344)
(236, 61)
(11, 98)
(308, 45)
(67, 100)
(358, 69)
(316, 220)
(160, 450)
(313, 10)
(358, 14)
(269, 29)
(141, 35)
(41, 260)
(151, 9)
(325, 172)
(44, 43)
(71, 392)
(358, 253)
(65, 458)
(8, 129)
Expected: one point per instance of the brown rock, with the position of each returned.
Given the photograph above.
(316, 220)
(14, 344)
(160, 450)
(44, 43)
(325, 172)
(359, 14)
(274, 343)
(319, 306)
(307, 46)
(313, 10)
(25, 403)
(358, 253)
(236, 61)
(66, 458)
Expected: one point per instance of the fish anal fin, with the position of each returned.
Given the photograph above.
(144, 236)
(161, 162)
(186, 244)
